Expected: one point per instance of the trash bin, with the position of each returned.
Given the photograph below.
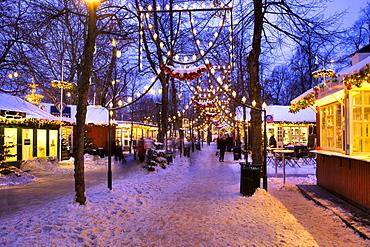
(187, 151)
(250, 178)
(169, 156)
(100, 152)
(237, 153)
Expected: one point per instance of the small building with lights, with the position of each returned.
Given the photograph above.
(128, 131)
(288, 128)
(26, 131)
(342, 102)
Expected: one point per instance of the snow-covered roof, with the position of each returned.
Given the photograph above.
(355, 68)
(282, 114)
(14, 103)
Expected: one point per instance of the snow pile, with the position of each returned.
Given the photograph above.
(16, 178)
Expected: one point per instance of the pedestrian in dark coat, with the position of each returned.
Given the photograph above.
(222, 146)
(229, 143)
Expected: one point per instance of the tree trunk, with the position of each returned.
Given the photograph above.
(254, 84)
(83, 88)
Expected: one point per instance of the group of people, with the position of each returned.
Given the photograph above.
(224, 143)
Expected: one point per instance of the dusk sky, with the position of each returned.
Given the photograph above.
(351, 6)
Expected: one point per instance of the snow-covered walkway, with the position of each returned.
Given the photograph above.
(195, 202)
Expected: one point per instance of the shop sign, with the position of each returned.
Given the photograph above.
(54, 110)
(12, 114)
(269, 118)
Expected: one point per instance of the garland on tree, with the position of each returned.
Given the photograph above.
(357, 79)
(211, 114)
(307, 101)
(204, 104)
(188, 74)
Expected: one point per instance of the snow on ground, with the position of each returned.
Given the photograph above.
(194, 202)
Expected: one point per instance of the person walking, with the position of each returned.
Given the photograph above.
(272, 142)
(222, 146)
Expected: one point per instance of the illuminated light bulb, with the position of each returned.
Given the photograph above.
(194, 32)
(222, 5)
(141, 33)
(176, 7)
(141, 8)
(113, 82)
(111, 122)
(187, 107)
(95, 49)
(129, 99)
(234, 94)
(202, 52)
(158, 71)
(177, 57)
(150, 26)
(118, 53)
(194, 5)
(15, 74)
(210, 44)
(185, 59)
(120, 103)
(10, 76)
(155, 36)
(254, 103)
(153, 80)
(150, 7)
(167, 7)
(138, 94)
(198, 42)
(161, 45)
(216, 34)
(110, 105)
(160, 91)
(158, 7)
(147, 15)
(203, 5)
(141, 66)
(206, 61)
(212, 71)
(152, 91)
(226, 87)
(185, 6)
(146, 87)
(168, 53)
(212, 5)
(194, 57)
(192, 20)
(264, 105)
(231, 39)
(114, 42)
(219, 79)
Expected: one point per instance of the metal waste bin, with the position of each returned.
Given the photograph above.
(100, 152)
(237, 153)
(250, 178)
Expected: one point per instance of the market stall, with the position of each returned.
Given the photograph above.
(342, 102)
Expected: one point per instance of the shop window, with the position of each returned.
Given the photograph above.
(360, 126)
(41, 143)
(10, 144)
(53, 143)
(331, 126)
(27, 144)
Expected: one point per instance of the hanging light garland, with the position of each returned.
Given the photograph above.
(357, 79)
(307, 101)
(188, 74)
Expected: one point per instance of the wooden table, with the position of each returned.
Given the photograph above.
(282, 152)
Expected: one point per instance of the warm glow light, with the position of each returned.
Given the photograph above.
(114, 42)
(264, 105)
(254, 103)
(129, 99)
(244, 99)
(120, 103)
(118, 53)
